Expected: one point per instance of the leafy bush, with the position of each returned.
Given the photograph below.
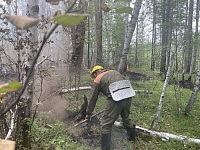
(44, 137)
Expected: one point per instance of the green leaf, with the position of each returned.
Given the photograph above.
(127, 10)
(69, 20)
(10, 87)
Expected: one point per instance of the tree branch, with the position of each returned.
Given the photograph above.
(46, 36)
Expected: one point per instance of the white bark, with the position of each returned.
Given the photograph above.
(11, 123)
(63, 91)
(155, 121)
(195, 90)
(194, 51)
(165, 136)
(129, 34)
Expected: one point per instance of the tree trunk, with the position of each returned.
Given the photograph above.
(155, 121)
(128, 36)
(189, 36)
(184, 56)
(108, 52)
(195, 90)
(176, 49)
(153, 37)
(169, 30)
(78, 39)
(166, 36)
(136, 46)
(164, 40)
(192, 65)
(88, 44)
(98, 22)
(24, 119)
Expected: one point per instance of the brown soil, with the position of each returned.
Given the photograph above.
(136, 76)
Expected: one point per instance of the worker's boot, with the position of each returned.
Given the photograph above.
(131, 133)
(105, 141)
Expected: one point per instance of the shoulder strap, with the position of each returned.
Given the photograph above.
(98, 78)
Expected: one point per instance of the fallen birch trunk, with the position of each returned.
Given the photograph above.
(164, 136)
(63, 91)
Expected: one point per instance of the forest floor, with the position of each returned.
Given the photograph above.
(87, 133)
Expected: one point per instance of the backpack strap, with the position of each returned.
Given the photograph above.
(98, 78)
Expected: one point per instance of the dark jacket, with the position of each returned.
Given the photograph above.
(101, 84)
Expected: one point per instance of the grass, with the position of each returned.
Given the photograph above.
(143, 111)
(172, 119)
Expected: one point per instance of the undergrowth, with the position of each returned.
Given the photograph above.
(143, 111)
(51, 135)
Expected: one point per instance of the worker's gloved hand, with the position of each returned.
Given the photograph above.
(88, 116)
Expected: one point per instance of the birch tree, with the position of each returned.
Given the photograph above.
(128, 35)
(153, 37)
(195, 90)
(189, 36)
(24, 117)
(162, 96)
(194, 52)
(184, 56)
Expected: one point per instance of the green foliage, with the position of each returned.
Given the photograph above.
(144, 56)
(172, 119)
(52, 138)
(69, 20)
(10, 87)
(123, 10)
